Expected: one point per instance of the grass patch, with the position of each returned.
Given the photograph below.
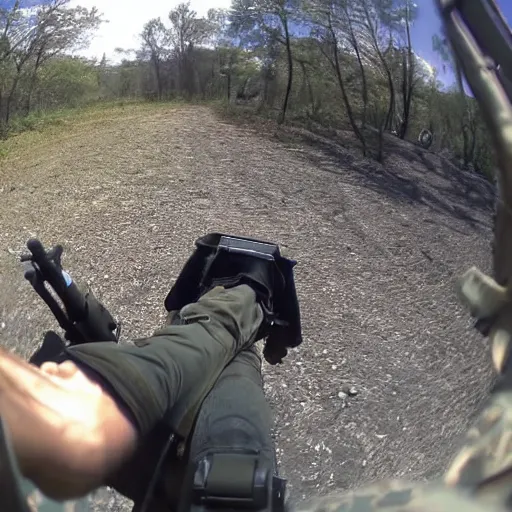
(263, 120)
(40, 120)
(42, 127)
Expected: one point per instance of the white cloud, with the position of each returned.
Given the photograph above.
(126, 19)
(427, 67)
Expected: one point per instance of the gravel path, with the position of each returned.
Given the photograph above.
(390, 372)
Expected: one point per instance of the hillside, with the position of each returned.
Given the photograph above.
(379, 248)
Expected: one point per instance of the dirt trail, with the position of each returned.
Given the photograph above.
(378, 250)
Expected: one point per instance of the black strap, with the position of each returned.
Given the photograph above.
(231, 481)
(231, 475)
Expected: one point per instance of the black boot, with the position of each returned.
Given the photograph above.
(223, 260)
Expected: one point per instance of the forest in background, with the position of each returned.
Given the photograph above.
(336, 65)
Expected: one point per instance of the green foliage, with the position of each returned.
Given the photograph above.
(28, 51)
(352, 67)
(67, 82)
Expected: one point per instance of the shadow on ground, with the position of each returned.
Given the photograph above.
(428, 180)
(378, 248)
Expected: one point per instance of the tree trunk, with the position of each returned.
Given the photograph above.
(28, 99)
(229, 85)
(307, 81)
(355, 45)
(409, 76)
(10, 97)
(346, 101)
(380, 152)
(364, 91)
(465, 120)
(465, 149)
(284, 21)
(32, 83)
(3, 127)
(158, 75)
(473, 144)
(391, 86)
(387, 122)
(267, 73)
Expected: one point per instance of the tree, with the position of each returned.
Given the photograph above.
(59, 29)
(228, 59)
(309, 59)
(329, 21)
(376, 17)
(29, 39)
(229, 56)
(354, 37)
(265, 23)
(69, 81)
(186, 32)
(467, 108)
(155, 47)
(333, 62)
(13, 30)
(406, 15)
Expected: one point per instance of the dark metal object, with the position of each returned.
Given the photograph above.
(83, 318)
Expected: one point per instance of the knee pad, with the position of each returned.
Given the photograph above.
(235, 416)
(234, 480)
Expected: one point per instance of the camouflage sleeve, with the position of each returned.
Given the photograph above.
(484, 464)
(398, 496)
(17, 494)
(482, 44)
(38, 502)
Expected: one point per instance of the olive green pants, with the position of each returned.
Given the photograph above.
(199, 377)
(169, 374)
(205, 362)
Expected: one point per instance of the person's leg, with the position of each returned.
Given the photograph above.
(235, 418)
(176, 368)
(236, 415)
(81, 430)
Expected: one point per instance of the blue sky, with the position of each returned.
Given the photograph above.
(428, 24)
(24, 3)
(126, 20)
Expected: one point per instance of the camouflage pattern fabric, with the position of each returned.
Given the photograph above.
(398, 496)
(480, 476)
(18, 494)
(38, 502)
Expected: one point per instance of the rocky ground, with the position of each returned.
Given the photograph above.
(390, 372)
